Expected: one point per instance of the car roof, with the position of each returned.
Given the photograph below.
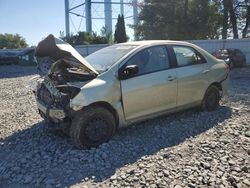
(153, 42)
(148, 43)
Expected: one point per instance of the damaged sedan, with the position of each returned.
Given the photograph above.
(90, 98)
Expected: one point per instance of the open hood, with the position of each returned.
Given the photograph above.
(51, 49)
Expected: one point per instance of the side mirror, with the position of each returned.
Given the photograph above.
(128, 72)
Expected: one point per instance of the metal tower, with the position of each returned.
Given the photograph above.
(87, 7)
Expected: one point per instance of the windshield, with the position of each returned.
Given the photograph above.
(102, 59)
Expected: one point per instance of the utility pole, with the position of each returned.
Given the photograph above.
(67, 18)
(121, 7)
(88, 16)
(135, 14)
(108, 16)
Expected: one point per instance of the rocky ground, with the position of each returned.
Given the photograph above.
(187, 149)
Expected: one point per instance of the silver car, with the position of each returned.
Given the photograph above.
(90, 98)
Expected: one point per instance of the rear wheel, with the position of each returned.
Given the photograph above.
(92, 127)
(211, 99)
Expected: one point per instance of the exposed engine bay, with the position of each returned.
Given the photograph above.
(66, 70)
(61, 84)
(63, 72)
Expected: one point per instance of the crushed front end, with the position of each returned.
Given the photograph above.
(63, 71)
(53, 105)
(55, 91)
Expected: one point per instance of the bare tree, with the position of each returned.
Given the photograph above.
(225, 19)
(229, 12)
(233, 19)
(247, 24)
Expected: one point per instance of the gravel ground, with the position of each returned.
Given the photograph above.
(187, 149)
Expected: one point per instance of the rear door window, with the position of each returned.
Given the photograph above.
(186, 56)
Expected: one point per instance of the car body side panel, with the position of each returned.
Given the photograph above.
(148, 94)
(214, 71)
(104, 88)
(151, 94)
(219, 74)
(192, 84)
(98, 90)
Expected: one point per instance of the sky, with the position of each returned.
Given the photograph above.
(32, 19)
(35, 19)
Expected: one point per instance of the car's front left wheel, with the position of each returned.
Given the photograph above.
(92, 127)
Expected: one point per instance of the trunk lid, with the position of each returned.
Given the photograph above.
(52, 49)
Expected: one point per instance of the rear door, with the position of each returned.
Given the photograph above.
(153, 89)
(191, 75)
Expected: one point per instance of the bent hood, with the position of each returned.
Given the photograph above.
(51, 49)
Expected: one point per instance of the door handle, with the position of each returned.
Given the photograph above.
(205, 71)
(171, 78)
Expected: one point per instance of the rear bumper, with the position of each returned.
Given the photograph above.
(225, 86)
(53, 113)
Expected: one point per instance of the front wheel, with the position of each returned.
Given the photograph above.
(92, 127)
(211, 99)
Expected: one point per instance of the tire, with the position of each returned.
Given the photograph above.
(211, 99)
(92, 127)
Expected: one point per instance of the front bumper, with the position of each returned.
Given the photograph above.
(53, 113)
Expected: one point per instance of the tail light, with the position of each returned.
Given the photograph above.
(227, 68)
(218, 55)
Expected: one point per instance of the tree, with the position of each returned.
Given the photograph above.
(120, 31)
(85, 38)
(107, 35)
(247, 19)
(233, 18)
(179, 19)
(225, 19)
(11, 41)
(245, 30)
(236, 15)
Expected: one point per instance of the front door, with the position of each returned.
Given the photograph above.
(154, 88)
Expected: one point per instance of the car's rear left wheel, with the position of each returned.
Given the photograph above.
(92, 127)
(211, 99)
